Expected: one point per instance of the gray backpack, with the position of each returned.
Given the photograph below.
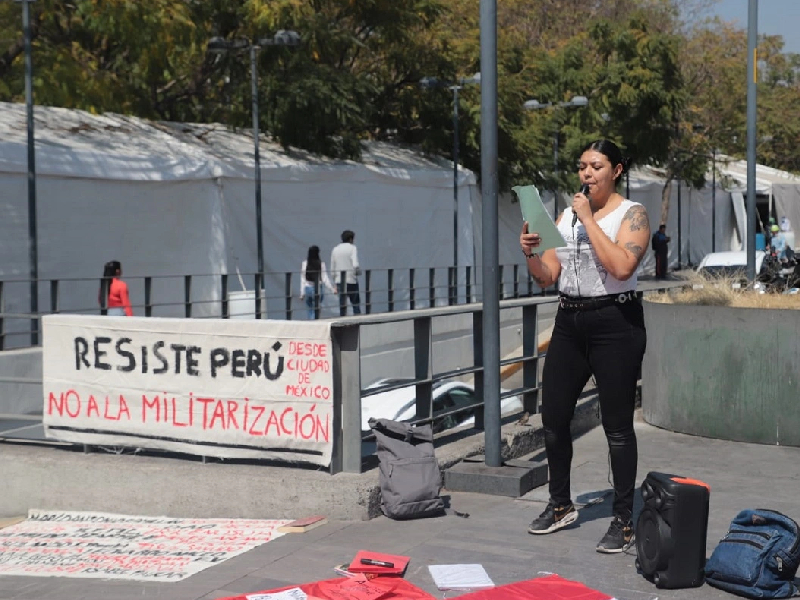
(409, 474)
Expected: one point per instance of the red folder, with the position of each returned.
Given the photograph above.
(399, 563)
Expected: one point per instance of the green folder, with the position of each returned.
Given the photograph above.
(534, 212)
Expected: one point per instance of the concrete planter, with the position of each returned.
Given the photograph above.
(721, 372)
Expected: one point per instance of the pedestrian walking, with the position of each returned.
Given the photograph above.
(346, 269)
(313, 280)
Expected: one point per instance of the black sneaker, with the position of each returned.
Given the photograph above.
(618, 538)
(553, 518)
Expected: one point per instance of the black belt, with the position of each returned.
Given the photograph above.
(570, 303)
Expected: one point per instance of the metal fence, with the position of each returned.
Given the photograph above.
(348, 454)
(226, 296)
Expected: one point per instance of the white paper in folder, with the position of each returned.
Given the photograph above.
(460, 577)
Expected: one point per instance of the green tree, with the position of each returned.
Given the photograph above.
(667, 95)
(778, 126)
(144, 58)
(352, 77)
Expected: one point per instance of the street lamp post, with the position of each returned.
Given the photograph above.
(713, 198)
(433, 82)
(33, 252)
(752, 40)
(219, 45)
(578, 102)
(680, 227)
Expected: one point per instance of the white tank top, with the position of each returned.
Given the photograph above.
(582, 274)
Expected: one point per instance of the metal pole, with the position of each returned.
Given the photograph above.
(555, 175)
(689, 231)
(752, 35)
(259, 224)
(680, 222)
(455, 177)
(489, 186)
(32, 241)
(714, 199)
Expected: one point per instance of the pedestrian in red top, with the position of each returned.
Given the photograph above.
(118, 303)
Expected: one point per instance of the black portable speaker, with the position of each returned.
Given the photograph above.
(671, 530)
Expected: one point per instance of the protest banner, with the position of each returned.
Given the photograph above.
(138, 548)
(232, 389)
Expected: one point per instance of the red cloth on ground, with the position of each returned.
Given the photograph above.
(393, 588)
(552, 587)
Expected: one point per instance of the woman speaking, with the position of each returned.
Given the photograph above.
(598, 331)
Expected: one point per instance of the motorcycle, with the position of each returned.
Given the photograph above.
(779, 275)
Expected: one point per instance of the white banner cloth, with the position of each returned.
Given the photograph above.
(211, 387)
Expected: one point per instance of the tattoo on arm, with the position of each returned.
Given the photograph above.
(635, 249)
(637, 215)
(539, 280)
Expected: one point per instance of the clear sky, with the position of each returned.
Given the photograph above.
(775, 17)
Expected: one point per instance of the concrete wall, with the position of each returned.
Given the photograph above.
(62, 478)
(21, 381)
(721, 372)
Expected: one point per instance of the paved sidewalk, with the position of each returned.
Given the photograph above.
(740, 475)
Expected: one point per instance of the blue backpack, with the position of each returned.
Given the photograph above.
(758, 557)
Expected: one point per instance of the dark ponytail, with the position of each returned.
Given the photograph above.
(109, 272)
(313, 265)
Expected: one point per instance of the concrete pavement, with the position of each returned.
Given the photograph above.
(740, 475)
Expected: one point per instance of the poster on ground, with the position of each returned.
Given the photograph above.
(138, 548)
(210, 387)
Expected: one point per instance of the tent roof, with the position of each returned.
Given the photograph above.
(731, 176)
(80, 144)
(766, 177)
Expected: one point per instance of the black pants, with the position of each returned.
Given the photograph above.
(608, 343)
(661, 264)
(351, 292)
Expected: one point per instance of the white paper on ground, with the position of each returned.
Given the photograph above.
(460, 577)
(290, 594)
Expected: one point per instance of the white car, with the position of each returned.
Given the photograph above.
(727, 264)
(401, 404)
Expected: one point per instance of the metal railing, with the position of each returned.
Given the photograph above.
(347, 393)
(347, 361)
(213, 296)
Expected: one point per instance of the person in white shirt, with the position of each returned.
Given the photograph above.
(345, 269)
(313, 276)
(599, 331)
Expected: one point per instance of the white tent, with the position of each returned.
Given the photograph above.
(779, 190)
(173, 199)
(169, 199)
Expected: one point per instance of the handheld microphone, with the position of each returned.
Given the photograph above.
(585, 192)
